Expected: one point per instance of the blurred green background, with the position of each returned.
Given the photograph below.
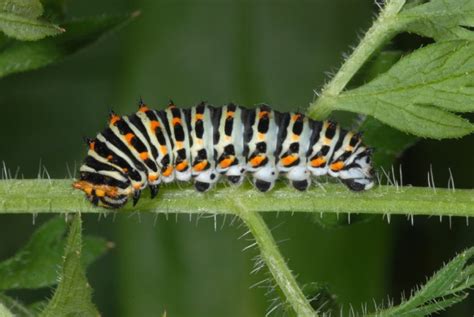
(247, 52)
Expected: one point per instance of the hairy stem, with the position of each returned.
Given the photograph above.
(58, 196)
(382, 30)
(275, 262)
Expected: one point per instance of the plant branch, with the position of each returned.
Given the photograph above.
(382, 30)
(275, 262)
(58, 196)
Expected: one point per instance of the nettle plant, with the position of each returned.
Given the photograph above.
(403, 96)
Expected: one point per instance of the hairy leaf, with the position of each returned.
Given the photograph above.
(420, 92)
(26, 29)
(25, 8)
(4, 312)
(440, 19)
(23, 56)
(15, 307)
(36, 265)
(445, 288)
(388, 142)
(73, 294)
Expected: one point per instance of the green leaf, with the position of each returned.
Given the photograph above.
(25, 8)
(445, 288)
(36, 264)
(26, 29)
(420, 92)
(4, 312)
(16, 307)
(440, 19)
(388, 142)
(73, 294)
(23, 56)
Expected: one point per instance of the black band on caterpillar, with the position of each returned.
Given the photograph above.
(205, 143)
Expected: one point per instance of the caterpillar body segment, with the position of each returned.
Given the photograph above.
(206, 143)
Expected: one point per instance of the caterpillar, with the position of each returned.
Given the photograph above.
(205, 143)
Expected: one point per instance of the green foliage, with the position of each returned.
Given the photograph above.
(445, 288)
(35, 265)
(24, 56)
(73, 294)
(440, 19)
(422, 91)
(19, 20)
(26, 8)
(16, 307)
(4, 312)
(26, 29)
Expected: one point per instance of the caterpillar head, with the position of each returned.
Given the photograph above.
(356, 172)
(102, 195)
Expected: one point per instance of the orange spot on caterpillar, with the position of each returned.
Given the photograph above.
(337, 166)
(181, 166)
(154, 125)
(289, 159)
(137, 186)
(164, 149)
(225, 163)
(261, 136)
(168, 171)
(230, 114)
(176, 121)
(144, 156)
(92, 146)
(263, 114)
(257, 160)
(110, 157)
(295, 137)
(199, 116)
(143, 108)
(113, 119)
(152, 177)
(100, 190)
(129, 137)
(295, 117)
(200, 166)
(317, 162)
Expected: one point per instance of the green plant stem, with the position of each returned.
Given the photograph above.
(381, 31)
(58, 196)
(275, 262)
